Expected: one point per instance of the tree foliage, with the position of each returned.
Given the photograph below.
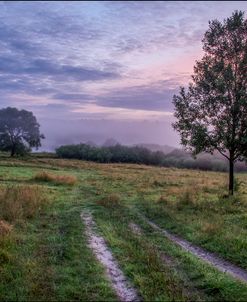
(212, 113)
(141, 155)
(19, 131)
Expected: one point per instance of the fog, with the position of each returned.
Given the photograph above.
(58, 132)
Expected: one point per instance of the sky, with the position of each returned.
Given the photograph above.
(95, 70)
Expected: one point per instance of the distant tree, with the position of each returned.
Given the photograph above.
(110, 142)
(19, 131)
(212, 114)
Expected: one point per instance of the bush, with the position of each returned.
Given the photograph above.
(57, 179)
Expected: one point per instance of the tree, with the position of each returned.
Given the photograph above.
(19, 131)
(212, 113)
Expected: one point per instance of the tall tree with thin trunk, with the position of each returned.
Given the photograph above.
(19, 131)
(212, 113)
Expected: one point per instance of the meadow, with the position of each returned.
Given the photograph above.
(44, 251)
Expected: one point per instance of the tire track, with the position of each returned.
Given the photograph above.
(217, 262)
(122, 287)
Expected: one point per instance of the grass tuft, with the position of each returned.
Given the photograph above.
(188, 197)
(110, 201)
(20, 202)
(5, 229)
(163, 200)
(211, 228)
(57, 179)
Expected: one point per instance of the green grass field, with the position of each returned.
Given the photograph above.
(43, 246)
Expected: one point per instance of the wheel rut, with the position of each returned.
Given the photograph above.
(217, 262)
(122, 287)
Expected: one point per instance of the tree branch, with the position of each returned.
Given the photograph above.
(223, 154)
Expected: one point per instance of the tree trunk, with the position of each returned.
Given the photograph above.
(12, 151)
(231, 175)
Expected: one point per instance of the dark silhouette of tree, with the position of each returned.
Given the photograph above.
(19, 131)
(212, 113)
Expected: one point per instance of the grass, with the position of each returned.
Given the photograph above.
(175, 275)
(57, 179)
(20, 201)
(47, 257)
(5, 228)
(109, 201)
(43, 246)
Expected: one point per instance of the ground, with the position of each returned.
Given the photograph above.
(44, 251)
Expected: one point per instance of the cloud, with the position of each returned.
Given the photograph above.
(72, 96)
(98, 60)
(47, 68)
(156, 96)
(17, 43)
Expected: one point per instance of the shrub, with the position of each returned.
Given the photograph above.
(20, 202)
(57, 179)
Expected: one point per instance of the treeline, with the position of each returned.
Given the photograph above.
(111, 154)
(141, 155)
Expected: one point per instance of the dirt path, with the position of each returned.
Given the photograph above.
(118, 281)
(220, 264)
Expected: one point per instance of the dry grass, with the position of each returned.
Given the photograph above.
(57, 179)
(20, 202)
(5, 228)
(163, 200)
(188, 196)
(110, 201)
(5, 238)
(211, 228)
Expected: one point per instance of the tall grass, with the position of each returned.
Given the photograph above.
(57, 179)
(5, 242)
(110, 201)
(20, 202)
(5, 228)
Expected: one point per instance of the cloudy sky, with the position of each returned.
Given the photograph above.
(92, 70)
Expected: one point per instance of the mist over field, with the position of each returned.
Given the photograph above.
(98, 131)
